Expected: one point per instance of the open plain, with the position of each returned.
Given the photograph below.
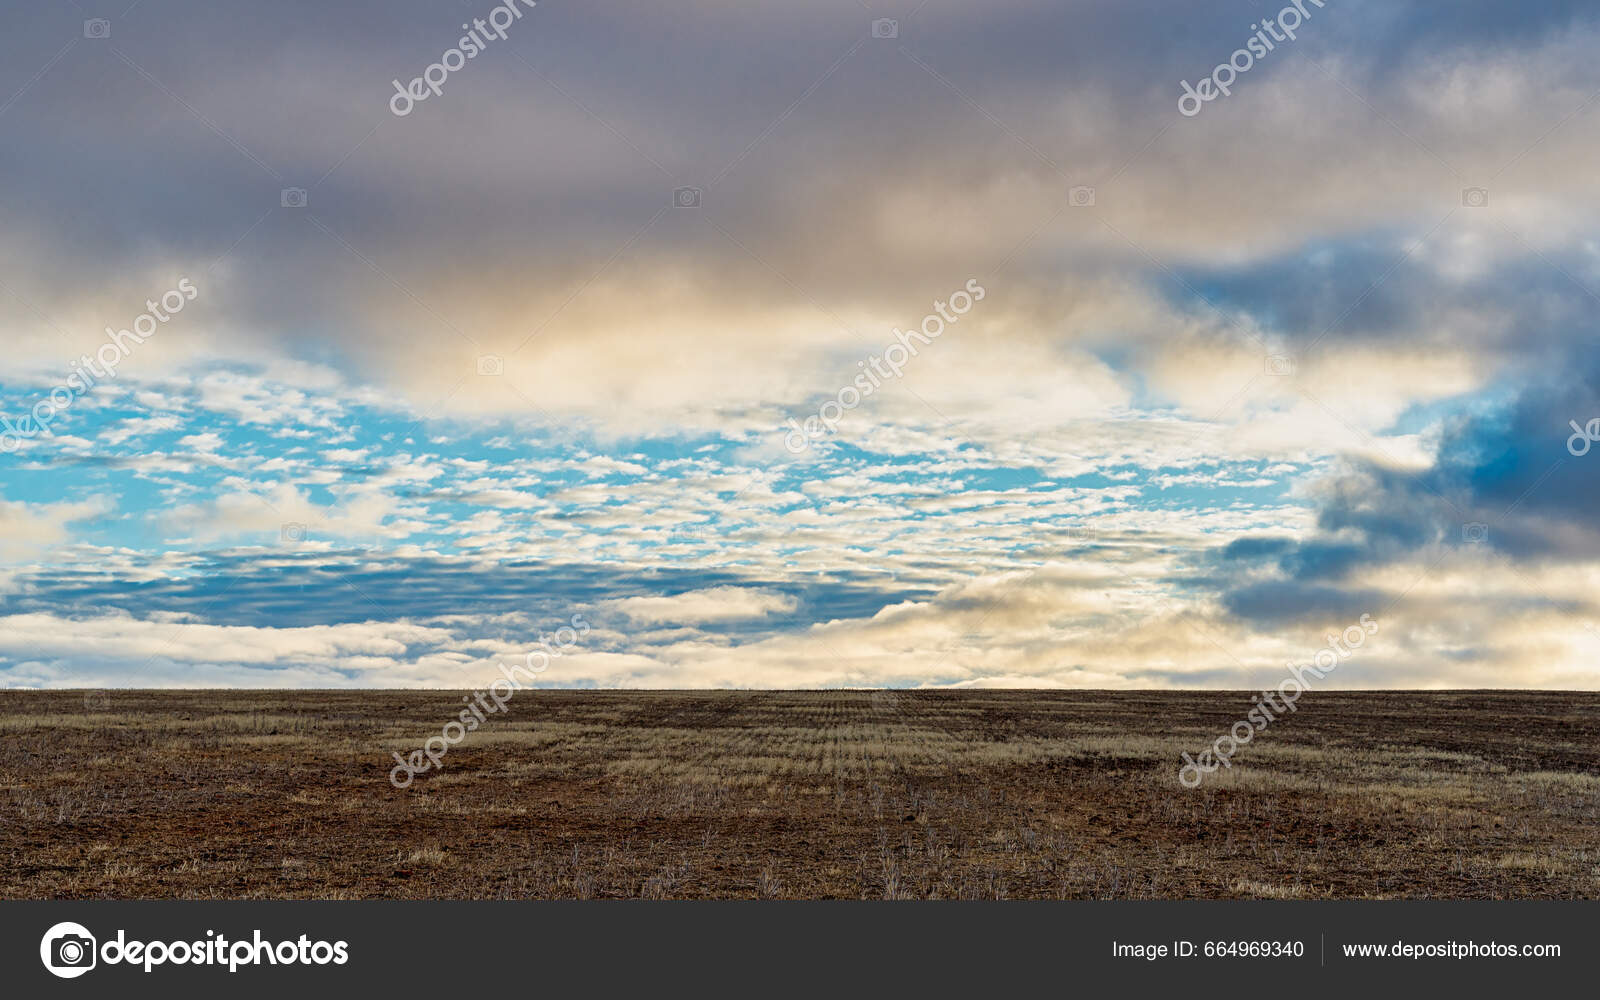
(827, 794)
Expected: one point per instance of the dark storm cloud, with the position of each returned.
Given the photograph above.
(168, 143)
(1510, 471)
(1504, 481)
(1279, 603)
(1371, 291)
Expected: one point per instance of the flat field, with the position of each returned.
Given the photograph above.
(585, 794)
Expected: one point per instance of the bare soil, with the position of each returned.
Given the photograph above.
(1015, 794)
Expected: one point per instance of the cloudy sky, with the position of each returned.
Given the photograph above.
(555, 340)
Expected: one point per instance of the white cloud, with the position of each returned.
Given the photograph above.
(704, 607)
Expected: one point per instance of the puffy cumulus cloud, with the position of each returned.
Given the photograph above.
(45, 650)
(714, 604)
(245, 509)
(1055, 626)
(28, 529)
(1072, 626)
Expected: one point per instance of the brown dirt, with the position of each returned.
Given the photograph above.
(1018, 794)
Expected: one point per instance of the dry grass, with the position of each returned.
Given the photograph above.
(798, 794)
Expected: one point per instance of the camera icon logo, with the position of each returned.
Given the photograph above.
(1279, 364)
(1475, 532)
(96, 701)
(686, 197)
(1474, 198)
(491, 364)
(885, 27)
(293, 532)
(1081, 196)
(68, 950)
(294, 197)
(97, 27)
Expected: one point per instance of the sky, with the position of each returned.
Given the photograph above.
(799, 345)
